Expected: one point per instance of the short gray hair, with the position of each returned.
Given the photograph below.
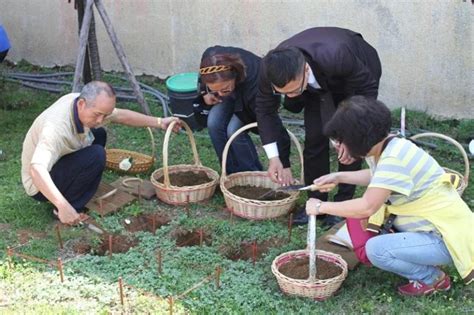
(93, 89)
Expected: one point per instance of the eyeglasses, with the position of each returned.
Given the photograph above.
(297, 92)
(216, 93)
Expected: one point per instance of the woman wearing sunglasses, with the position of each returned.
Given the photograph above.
(227, 86)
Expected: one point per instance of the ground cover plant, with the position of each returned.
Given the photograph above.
(191, 241)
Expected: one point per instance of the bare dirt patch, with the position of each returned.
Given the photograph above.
(247, 250)
(120, 244)
(149, 222)
(191, 238)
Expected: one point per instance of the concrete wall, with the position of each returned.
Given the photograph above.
(426, 46)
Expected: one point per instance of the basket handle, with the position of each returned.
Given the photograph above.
(250, 126)
(153, 148)
(452, 141)
(311, 239)
(197, 161)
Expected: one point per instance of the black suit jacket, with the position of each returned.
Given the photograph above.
(342, 62)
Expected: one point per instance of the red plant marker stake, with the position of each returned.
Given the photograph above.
(231, 215)
(254, 252)
(201, 236)
(120, 283)
(110, 246)
(10, 253)
(139, 188)
(58, 233)
(290, 226)
(159, 259)
(218, 276)
(60, 267)
(170, 301)
(153, 225)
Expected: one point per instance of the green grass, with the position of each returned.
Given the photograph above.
(91, 281)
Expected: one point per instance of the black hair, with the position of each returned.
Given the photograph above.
(283, 65)
(236, 71)
(360, 123)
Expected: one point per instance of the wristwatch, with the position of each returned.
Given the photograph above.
(318, 207)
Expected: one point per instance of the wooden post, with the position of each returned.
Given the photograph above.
(110, 246)
(83, 37)
(121, 55)
(9, 254)
(218, 276)
(153, 224)
(60, 267)
(254, 251)
(159, 259)
(120, 283)
(231, 215)
(58, 233)
(86, 73)
(170, 302)
(201, 237)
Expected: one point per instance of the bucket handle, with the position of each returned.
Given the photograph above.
(197, 161)
(250, 126)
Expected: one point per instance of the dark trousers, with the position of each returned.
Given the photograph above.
(316, 150)
(3, 54)
(77, 175)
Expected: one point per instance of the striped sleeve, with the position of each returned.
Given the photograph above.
(392, 174)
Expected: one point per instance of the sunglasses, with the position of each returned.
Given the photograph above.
(216, 93)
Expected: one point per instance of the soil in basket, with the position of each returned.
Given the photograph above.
(144, 222)
(187, 178)
(191, 238)
(254, 193)
(120, 244)
(298, 268)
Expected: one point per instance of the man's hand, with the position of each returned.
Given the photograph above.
(67, 215)
(277, 173)
(343, 153)
(165, 122)
(211, 99)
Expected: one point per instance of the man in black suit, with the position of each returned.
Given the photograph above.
(314, 70)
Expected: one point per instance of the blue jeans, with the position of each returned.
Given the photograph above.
(413, 255)
(221, 124)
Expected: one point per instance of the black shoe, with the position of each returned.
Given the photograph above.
(300, 217)
(331, 220)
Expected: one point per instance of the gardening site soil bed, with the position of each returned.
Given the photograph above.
(187, 178)
(191, 238)
(120, 244)
(145, 222)
(246, 249)
(254, 193)
(298, 268)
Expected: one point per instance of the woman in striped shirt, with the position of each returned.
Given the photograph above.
(433, 224)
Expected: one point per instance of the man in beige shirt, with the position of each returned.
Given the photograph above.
(63, 153)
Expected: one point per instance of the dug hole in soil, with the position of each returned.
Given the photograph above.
(254, 193)
(298, 268)
(246, 248)
(190, 238)
(144, 222)
(120, 244)
(186, 178)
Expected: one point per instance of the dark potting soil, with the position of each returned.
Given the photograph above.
(298, 268)
(187, 178)
(144, 222)
(120, 244)
(246, 249)
(254, 193)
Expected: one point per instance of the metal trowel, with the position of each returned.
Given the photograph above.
(312, 187)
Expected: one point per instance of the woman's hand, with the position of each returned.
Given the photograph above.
(343, 155)
(331, 178)
(312, 206)
(211, 99)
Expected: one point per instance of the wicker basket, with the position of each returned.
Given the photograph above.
(319, 289)
(140, 162)
(176, 195)
(464, 178)
(255, 209)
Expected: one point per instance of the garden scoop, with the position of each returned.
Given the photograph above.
(312, 187)
(91, 226)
